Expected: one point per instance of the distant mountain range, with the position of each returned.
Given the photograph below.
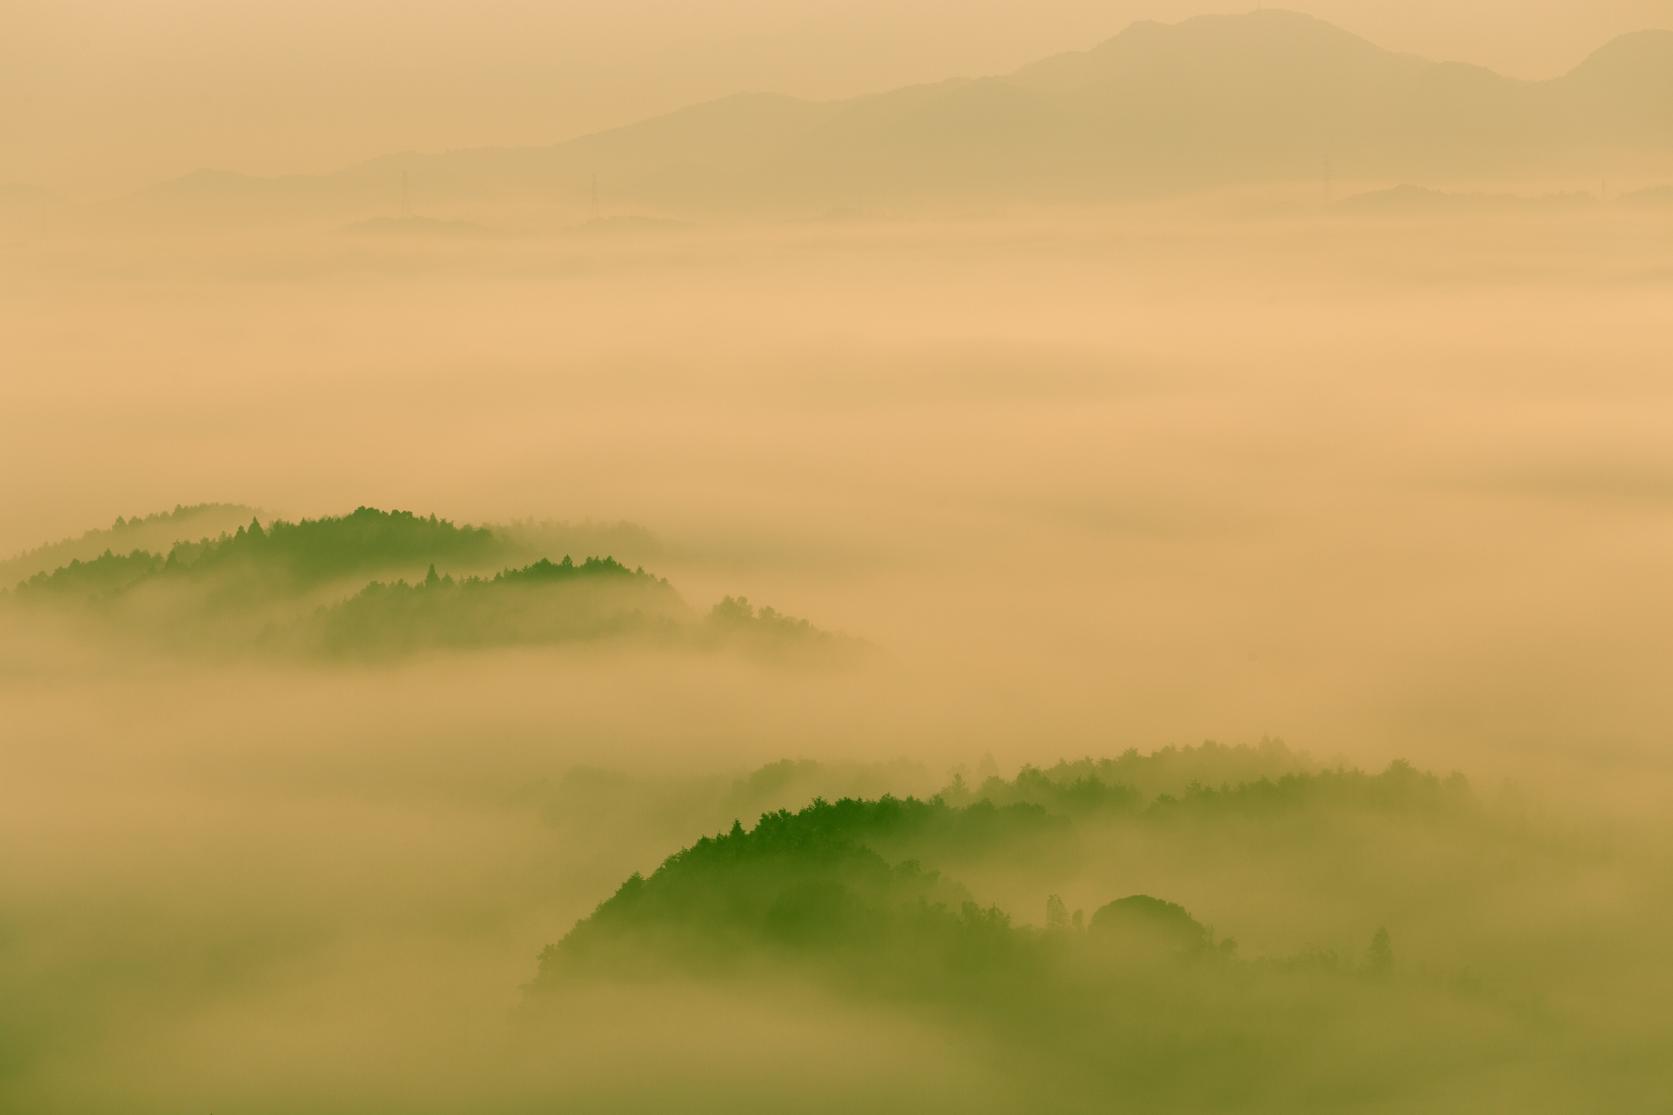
(1269, 96)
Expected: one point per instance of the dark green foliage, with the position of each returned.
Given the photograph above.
(816, 882)
(858, 897)
(1144, 925)
(316, 550)
(550, 572)
(104, 576)
(652, 812)
(848, 882)
(156, 533)
(787, 776)
(287, 557)
(542, 604)
(303, 587)
(802, 888)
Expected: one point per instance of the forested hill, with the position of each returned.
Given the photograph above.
(853, 883)
(383, 584)
(153, 533)
(285, 555)
(1100, 937)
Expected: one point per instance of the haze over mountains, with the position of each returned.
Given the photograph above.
(1238, 379)
(1267, 97)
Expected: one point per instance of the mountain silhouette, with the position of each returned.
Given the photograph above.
(1269, 96)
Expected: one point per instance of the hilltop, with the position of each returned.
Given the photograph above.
(384, 584)
(1089, 931)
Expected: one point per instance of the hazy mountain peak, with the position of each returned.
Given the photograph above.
(1233, 47)
(1635, 45)
(1262, 96)
(1639, 56)
(1249, 31)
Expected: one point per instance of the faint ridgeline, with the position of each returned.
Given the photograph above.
(1248, 100)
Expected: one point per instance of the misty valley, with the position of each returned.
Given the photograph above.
(884, 556)
(1083, 929)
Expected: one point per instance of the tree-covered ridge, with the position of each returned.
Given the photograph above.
(1118, 989)
(1170, 770)
(543, 603)
(366, 540)
(553, 602)
(803, 887)
(1158, 792)
(287, 554)
(850, 877)
(100, 578)
(546, 571)
(155, 533)
(209, 536)
(384, 583)
(1115, 786)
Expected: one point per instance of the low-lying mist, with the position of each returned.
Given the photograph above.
(1385, 486)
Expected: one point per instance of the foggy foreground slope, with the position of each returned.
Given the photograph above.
(1389, 485)
(1132, 1001)
(1186, 929)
